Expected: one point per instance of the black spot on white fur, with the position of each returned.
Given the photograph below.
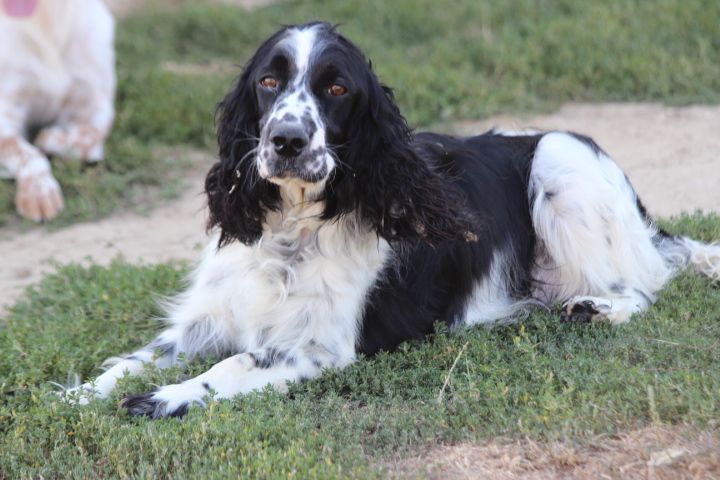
(309, 125)
(268, 358)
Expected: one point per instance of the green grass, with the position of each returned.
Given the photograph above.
(468, 60)
(540, 379)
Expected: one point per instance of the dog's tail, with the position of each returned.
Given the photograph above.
(681, 252)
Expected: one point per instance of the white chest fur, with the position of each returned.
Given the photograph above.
(305, 282)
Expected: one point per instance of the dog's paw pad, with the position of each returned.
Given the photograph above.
(149, 405)
(584, 311)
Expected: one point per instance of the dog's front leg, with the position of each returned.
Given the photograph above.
(38, 194)
(162, 352)
(241, 373)
(88, 109)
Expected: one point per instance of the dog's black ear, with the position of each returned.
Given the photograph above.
(396, 189)
(238, 197)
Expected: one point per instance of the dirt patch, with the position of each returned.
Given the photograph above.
(651, 453)
(123, 8)
(671, 154)
(174, 231)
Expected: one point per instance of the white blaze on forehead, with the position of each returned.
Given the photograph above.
(302, 42)
(297, 105)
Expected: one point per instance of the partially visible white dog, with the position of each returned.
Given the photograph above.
(57, 65)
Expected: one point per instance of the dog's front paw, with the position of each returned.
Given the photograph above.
(167, 401)
(585, 310)
(82, 142)
(38, 196)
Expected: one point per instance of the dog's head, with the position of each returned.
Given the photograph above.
(309, 115)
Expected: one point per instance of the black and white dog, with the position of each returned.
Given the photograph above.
(340, 232)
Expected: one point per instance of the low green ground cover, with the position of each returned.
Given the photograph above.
(461, 61)
(540, 378)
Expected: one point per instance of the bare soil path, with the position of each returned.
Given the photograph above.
(652, 453)
(174, 231)
(672, 155)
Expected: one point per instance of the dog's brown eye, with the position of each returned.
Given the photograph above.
(269, 82)
(337, 90)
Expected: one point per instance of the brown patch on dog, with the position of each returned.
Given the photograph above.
(85, 139)
(38, 195)
(76, 141)
(9, 148)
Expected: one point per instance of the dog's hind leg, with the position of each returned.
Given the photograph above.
(678, 252)
(596, 250)
(617, 308)
(88, 111)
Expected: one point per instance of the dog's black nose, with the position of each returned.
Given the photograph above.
(289, 140)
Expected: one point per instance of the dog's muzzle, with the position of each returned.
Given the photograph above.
(288, 152)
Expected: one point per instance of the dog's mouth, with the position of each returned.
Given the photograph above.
(296, 176)
(301, 180)
(310, 168)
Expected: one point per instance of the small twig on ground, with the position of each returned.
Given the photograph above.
(667, 342)
(449, 374)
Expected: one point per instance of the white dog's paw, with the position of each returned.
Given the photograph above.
(167, 401)
(38, 196)
(82, 142)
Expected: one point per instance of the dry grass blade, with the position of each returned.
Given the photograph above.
(449, 374)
